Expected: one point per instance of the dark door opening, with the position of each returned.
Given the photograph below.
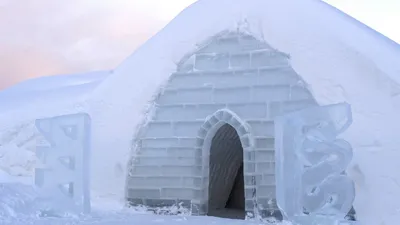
(226, 182)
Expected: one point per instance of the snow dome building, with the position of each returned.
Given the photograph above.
(210, 142)
(204, 91)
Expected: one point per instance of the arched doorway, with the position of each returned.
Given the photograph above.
(226, 186)
(221, 132)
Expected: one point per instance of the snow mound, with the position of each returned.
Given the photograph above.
(56, 82)
(47, 96)
(17, 161)
(17, 151)
(16, 200)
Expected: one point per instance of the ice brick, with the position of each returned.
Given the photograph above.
(310, 162)
(64, 177)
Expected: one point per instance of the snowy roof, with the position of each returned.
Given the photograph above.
(55, 82)
(47, 95)
(339, 58)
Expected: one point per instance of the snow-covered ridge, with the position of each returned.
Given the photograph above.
(47, 96)
(56, 82)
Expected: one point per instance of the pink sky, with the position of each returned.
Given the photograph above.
(47, 37)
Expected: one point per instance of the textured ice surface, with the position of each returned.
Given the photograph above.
(64, 176)
(310, 181)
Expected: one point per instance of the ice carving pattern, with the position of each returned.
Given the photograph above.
(311, 185)
(63, 178)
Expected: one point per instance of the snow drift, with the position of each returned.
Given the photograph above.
(47, 95)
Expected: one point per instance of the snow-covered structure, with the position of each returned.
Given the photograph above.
(35, 98)
(210, 140)
(335, 58)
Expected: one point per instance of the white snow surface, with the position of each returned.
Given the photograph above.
(56, 82)
(60, 90)
(339, 58)
(19, 206)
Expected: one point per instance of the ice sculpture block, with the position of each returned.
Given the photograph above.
(63, 178)
(311, 186)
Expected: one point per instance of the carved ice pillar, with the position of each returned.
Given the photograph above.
(311, 185)
(63, 176)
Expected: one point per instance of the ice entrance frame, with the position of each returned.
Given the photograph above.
(204, 141)
(226, 182)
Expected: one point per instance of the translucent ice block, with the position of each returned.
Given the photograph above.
(310, 163)
(63, 178)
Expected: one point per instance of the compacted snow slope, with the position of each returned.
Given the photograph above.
(18, 207)
(56, 82)
(46, 96)
(339, 59)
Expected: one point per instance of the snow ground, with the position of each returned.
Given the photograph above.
(18, 203)
(130, 219)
